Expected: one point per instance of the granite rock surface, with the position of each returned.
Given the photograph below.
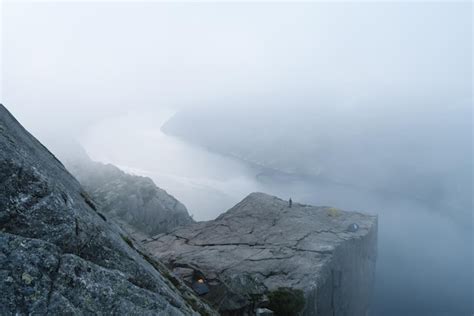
(262, 244)
(59, 254)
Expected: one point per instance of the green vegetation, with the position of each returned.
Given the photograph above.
(196, 306)
(333, 212)
(26, 278)
(187, 293)
(171, 278)
(88, 200)
(128, 241)
(286, 301)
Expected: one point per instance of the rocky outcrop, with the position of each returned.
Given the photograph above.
(262, 244)
(59, 254)
(133, 200)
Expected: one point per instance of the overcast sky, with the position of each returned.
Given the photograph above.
(73, 63)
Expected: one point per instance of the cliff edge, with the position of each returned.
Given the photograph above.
(261, 245)
(133, 200)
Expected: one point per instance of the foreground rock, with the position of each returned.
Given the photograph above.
(59, 254)
(260, 245)
(133, 200)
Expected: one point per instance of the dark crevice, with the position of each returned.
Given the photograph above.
(272, 273)
(76, 226)
(187, 241)
(228, 244)
(65, 197)
(267, 259)
(102, 216)
(238, 263)
(88, 201)
(323, 252)
(79, 252)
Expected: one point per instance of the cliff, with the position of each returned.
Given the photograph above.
(59, 254)
(261, 245)
(133, 200)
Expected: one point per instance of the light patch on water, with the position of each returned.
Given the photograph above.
(208, 184)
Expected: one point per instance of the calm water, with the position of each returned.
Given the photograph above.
(424, 259)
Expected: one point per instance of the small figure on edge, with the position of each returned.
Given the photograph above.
(290, 203)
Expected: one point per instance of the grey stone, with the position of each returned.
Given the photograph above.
(59, 255)
(264, 312)
(133, 200)
(260, 245)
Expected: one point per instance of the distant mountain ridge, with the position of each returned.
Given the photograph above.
(398, 153)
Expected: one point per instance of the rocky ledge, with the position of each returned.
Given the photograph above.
(261, 248)
(60, 255)
(131, 200)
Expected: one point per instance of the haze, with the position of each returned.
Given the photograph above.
(376, 97)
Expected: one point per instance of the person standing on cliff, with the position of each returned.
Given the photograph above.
(290, 203)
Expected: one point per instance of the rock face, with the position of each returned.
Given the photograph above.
(132, 199)
(59, 254)
(261, 245)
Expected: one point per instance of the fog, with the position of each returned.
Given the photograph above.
(363, 106)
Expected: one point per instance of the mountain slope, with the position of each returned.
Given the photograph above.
(58, 253)
(135, 200)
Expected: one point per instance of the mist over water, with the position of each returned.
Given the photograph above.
(360, 106)
(424, 255)
(206, 183)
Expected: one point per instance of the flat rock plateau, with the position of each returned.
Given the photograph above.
(262, 244)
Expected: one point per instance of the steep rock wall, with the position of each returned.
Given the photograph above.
(59, 254)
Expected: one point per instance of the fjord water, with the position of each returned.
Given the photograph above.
(424, 262)
(77, 68)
